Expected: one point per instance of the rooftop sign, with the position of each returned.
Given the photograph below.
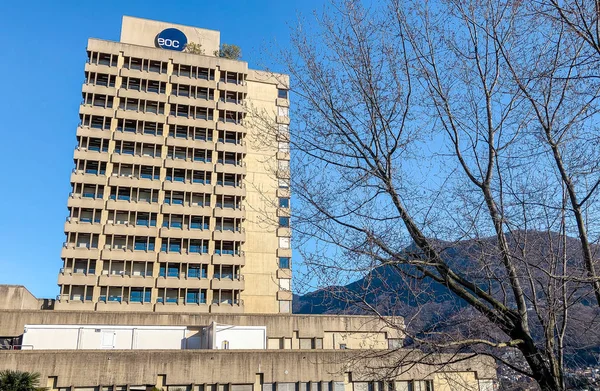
(171, 39)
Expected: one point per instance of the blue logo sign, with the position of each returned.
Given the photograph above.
(171, 39)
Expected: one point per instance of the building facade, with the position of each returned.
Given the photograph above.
(178, 202)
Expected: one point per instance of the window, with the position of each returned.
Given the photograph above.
(284, 202)
(284, 222)
(284, 242)
(284, 262)
(282, 94)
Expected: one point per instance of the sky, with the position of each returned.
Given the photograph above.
(44, 49)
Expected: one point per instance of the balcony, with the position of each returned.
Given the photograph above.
(191, 121)
(188, 142)
(132, 181)
(283, 156)
(78, 201)
(231, 126)
(136, 159)
(98, 89)
(153, 96)
(126, 72)
(74, 224)
(228, 282)
(188, 100)
(284, 252)
(185, 233)
(188, 164)
(83, 153)
(280, 119)
(181, 307)
(128, 254)
(141, 116)
(284, 212)
(96, 110)
(100, 68)
(186, 208)
(230, 235)
(126, 279)
(193, 283)
(138, 137)
(229, 212)
(284, 295)
(141, 206)
(282, 102)
(193, 81)
(68, 278)
(231, 105)
(283, 192)
(285, 232)
(187, 186)
(231, 168)
(223, 86)
(229, 259)
(284, 273)
(89, 131)
(71, 251)
(231, 147)
(228, 307)
(183, 257)
(64, 304)
(88, 178)
(230, 190)
(123, 306)
(130, 229)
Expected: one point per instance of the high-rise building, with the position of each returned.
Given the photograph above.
(178, 202)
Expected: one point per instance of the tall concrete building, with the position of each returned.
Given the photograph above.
(178, 203)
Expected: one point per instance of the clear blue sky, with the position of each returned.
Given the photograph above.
(43, 49)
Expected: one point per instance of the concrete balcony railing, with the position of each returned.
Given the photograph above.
(192, 101)
(78, 201)
(229, 259)
(284, 295)
(153, 96)
(224, 86)
(100, 68)
(230, 190)
(65, 304)
(230, 235)
(185, 233)
(125, 72)
(193, 81)
(88, 131)
(282, 102)
(188, 186)
(124, 305)
(284, 273)
(86, 154)
(129, 229)
(231, 147)
(80, 176)
(231, 168)
(136, 159)
(138, 137)
(183, 257)
(231, 126)
(71, 251)
(175, 282)
(208, 123)
(75, 225)
(186, 208)
(126, 279)
(97, 111)
(133, 181)
(283, 192)
(141, 116)
(132, 206)
(189, 142)
(69, 278)
(227, 307)
(231, 106)
(98, 89)
(232, 283)
(284, 252)
(230, 212)
(188, 164)
(181, 307)
(127, 254)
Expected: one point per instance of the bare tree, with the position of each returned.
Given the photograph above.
(455, 144)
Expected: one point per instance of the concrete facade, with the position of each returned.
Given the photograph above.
(173, 208)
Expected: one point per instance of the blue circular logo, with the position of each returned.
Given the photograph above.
(171, 39)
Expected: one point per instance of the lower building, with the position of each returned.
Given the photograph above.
(140, 351)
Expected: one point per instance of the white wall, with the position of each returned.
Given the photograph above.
(61, 337)
(240, 337)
